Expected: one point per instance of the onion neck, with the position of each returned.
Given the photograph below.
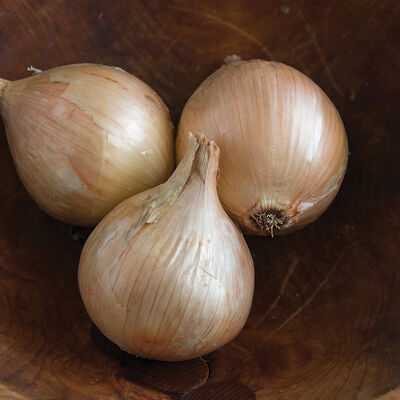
(201, 160)
(205, 163)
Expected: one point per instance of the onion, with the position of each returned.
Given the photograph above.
(167, 275)
(85, 137)
(283, 145)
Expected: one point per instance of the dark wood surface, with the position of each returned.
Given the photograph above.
(325, 322)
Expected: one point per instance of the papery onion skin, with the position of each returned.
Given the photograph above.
(283, 144)
(167, 275)
(84, 137)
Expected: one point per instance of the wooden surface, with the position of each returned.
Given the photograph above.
(325, 322)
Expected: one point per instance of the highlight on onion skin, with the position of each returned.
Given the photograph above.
(167, 275)
(283, 144)
(84, 137)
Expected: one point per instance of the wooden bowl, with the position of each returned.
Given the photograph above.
(325, 322)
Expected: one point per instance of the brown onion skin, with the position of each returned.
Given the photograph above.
(167, 275)
(283, 144)
(84, 137)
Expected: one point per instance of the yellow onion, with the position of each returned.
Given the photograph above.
(85, 137)
(167, 275)
(283, 145)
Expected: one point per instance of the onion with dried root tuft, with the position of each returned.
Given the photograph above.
(283, 145)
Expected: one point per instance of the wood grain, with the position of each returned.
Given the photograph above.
(325, 322)
(222, 391)
(177, 377)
